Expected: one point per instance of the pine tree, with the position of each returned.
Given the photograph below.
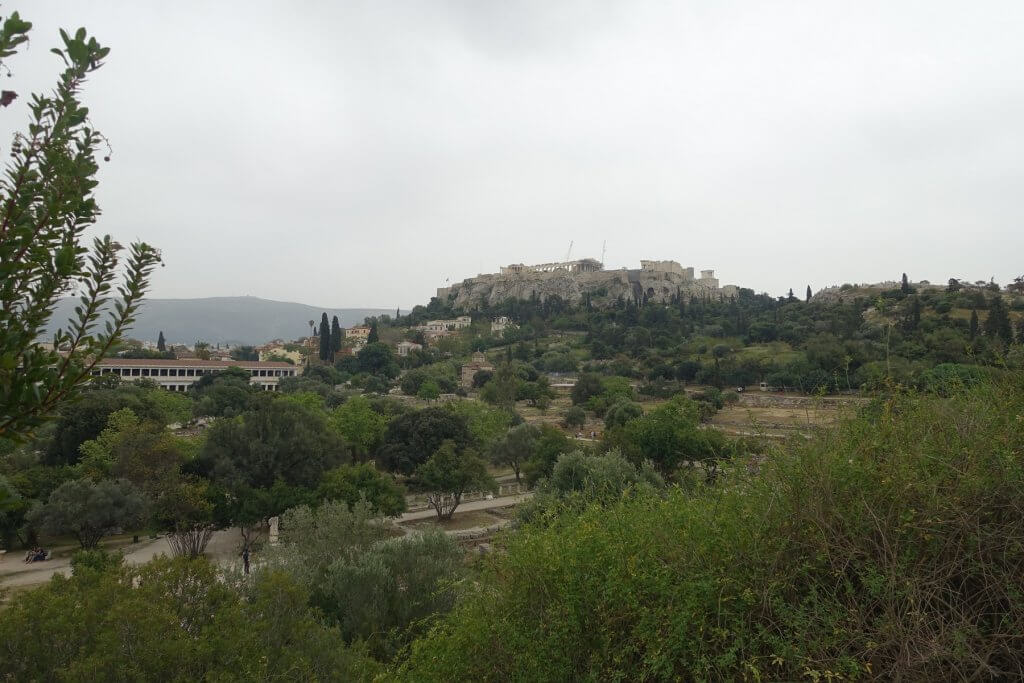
(373, 337)
(808, 294)
(997, 324)
(161, 344)
(325, 339)
(335, 335)
(974, 323)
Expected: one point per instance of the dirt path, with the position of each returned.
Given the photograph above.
(14, 572)
(507, 501)
(223, 547)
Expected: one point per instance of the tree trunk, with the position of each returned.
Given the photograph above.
(443, 505)
(190, 542)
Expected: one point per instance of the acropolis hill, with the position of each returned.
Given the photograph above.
(569, 280)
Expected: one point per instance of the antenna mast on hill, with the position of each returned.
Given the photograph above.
(569, 252)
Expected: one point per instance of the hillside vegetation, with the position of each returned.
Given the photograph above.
(889, 548)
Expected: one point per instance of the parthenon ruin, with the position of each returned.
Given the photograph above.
(656, 281)
(587, 265)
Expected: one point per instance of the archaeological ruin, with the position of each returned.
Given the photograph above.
(655, 281)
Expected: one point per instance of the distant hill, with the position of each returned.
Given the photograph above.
(225, 319)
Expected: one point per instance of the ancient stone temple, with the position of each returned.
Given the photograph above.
(654, 281)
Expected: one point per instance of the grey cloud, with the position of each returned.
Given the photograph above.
(358, 154)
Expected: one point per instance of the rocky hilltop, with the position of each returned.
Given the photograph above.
(658, 281)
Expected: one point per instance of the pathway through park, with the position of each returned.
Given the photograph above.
(223, 547)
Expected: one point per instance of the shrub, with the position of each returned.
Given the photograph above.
(575, 417)
(889, 547)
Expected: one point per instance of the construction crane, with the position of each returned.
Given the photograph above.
(568, 252)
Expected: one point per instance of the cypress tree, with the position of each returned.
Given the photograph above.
(905, 284)
(790, 297)
(974, 323)
(913, 314)
(808, 294)
(335, 335)
(161, 344)
(373, 337)
(325, 339)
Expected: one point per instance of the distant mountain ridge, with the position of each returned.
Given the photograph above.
(224, 319)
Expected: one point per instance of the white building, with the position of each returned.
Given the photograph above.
(404, 348)
(460, 323)
(179, 375)
(499, 324)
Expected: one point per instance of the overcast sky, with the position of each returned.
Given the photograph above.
(363, 153)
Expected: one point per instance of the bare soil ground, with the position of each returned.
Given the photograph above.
(223, 549)
(460, 521)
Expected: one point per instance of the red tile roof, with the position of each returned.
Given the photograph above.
(192, 362)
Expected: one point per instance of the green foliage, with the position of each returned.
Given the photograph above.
(503, 387)
(325, 339)
(551, 442)
(449, 473)
(83, 420)
(377, 358)
(613, 390)
(172, 406)
(279, 440)
(602, 477)
(587, 385)
(579, 479)
(95, 561)
(88, 510)
(310, 400)
(518, 446)
(621, 412)
(335, 335)
(352, 483)
(224, 393)
(411, 438)
(899, 532)
(997, 323)
(429, 390)
(170, 620)
(394, 590)
(443, 374)
(669, 437)
(47, 204)
(361, 426)
(184, 510)
(575, 417)
(377, 589)
(486, 425)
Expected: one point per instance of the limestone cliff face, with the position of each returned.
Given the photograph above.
(605, 287)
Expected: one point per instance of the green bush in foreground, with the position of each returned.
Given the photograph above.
(170, 620)
(890, 548)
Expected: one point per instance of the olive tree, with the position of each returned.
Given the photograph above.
(88, 510)
(46, 204)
